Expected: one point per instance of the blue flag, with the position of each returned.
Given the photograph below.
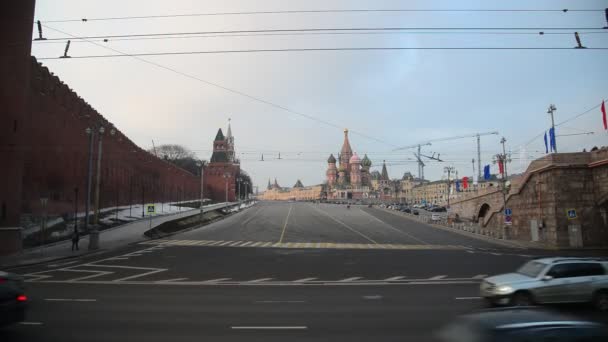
(546, 145)
(457, 186)
(486, 172)
(552, 139)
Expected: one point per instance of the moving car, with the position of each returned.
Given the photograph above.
(12, 298)
(521, 324)
(551, 280)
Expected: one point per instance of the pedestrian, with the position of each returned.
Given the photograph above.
(75, 239)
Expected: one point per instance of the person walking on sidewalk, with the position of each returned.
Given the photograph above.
(75, 239)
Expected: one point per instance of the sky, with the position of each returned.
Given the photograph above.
(387, 98)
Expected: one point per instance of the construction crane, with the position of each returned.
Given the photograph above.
(428, 142)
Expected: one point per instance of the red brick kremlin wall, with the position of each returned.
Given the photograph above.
(56, 151)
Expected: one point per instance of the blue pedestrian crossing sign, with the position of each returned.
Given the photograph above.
(571, 213)
(508, 212)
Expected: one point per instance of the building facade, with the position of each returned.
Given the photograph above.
(298, 192)
(349, 176)
(221, 174)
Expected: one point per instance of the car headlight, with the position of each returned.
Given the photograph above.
(504, 289)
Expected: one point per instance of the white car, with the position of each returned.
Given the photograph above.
(435, 217)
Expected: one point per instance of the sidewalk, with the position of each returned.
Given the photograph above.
(108, 239)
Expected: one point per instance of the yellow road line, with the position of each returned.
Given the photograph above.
(285, 225)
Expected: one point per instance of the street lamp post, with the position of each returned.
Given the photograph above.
(226, 176)
(246, 190)
(238, 180)
(202, 187)
(503, 159)
(94, 233)
(75, 209)
(87, 203)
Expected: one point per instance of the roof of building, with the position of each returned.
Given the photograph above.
(298, 184)
(384, 175)
(331, 159)
(346, 149)
(219, 135)
(229, 132)
(355, 159)
(375, 175)
(366, 161)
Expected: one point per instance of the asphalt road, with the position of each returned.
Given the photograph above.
(276, 271)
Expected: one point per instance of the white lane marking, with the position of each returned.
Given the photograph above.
(394, 278)
(70, 300)
(31, 323)
(216, 280)
(304, 280)
(256, 244)
(285, 225)
(169, 280)
(467, 298)
(97, 274)
(293, 327)
(259, 280)
(437, 277)
(350, 279)
(395, 229)
(63, 264)
(372, 297)
(318, 245)
(118, 258)
(480, 276)
(279, 301)
(215, 243)
(247, 244)
(225, 243)
(235, 243)
(468, 251)
(267, 244)
(347, 226)
(496, 253)
(141, 275)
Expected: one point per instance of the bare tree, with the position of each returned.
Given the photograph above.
(172, 152)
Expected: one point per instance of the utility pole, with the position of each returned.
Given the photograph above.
(476, 180)
(75, 209)
(478, 158)
(449, 170)
(504, 156)
(550, 111)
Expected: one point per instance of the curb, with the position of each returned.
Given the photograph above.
(65, 257)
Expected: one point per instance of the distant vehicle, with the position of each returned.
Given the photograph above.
(407, 210)
(441, 210)
(12, 299)
(521, 324)
(415, 212)
(551, 280)
(369, 205)
(435, 217)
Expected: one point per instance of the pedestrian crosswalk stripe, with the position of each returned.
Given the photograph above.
(302, 245)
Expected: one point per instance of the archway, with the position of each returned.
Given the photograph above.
(483, 211)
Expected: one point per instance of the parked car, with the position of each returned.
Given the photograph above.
(439, 209)
(551, 280)
(407, 210)
(415, 212)
(12, 298)
(521, 324)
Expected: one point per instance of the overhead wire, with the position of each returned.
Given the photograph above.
(347, 29)
(363, 10)
(148, 54)
(234, 91)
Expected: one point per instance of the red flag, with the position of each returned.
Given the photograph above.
(465, 182)
(604, 116)
(501, 168)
